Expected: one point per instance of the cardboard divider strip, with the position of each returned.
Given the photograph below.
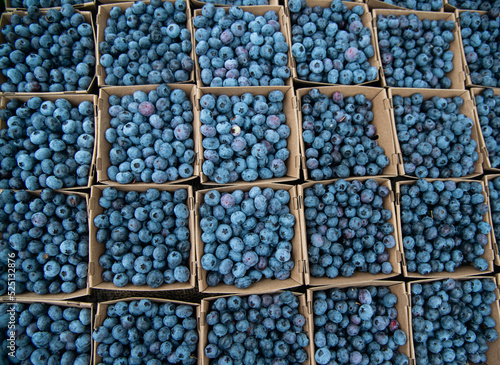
(380, 4)
(486, 180)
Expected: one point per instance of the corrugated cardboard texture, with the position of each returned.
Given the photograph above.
(256, 10)
(101, 20)
(464, 270)
(204, 328)
(74, 99)
(5, 19)
(457, 75)
(31, 296)
(98, 249)
(289, 107)
(86, 6)
(493, 353)
(394, 253)
(402, 306)
(378, 4)
(366, 19)
(103, 146)
(466, 109)
(101, 315)
(264, 285)
(386, 132)
(199, 4)
(494, 243)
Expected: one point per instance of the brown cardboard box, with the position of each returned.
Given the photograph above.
(264, 285)
(402, 306)
(5, 19)
(31, 296)
(387, 138)
(486, 180)
(199, 4)
(204, 327)
(466, 109)
(289, 107)
(102, 19)
(380, 4)
(86, 6)
(97, 249)
(464, 270)
(493, 352)
(101, 315)
(457, 75)
(366, 19)
(74, 99)
(256, 10)
(394, 253)
(103, 146)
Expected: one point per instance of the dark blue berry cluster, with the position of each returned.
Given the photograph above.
(257, 329)
(435, 138)
(244, 137)
(480, 34)
(488, 110)
(348, 228)
(246, 236)
(237, 2)
(146, 332)
(147, 44)
(483, 5)
(416, 52)
(421, 5)
(49, 238)
(238, 48)
(47, 143)
(51, 51)
(494, 195)
(358, 325)
(443, 226)
(46, 3)
(452, 321)
(151, 136)
(331, 44)
(339, 139)
(147, 237)
(47, 334)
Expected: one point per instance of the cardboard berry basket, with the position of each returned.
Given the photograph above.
(32, 296)
(289, 107)
(494, 243)
(75, 100)
(5, 19)
(196, 4)
(204, 327)
(467, 109)
(86, 6)
(493, 353)
(464, 270)
(102, 19)
(101, 315)
(386, 135)
(256, 10)
(98, 249)
(380, 4)
(264, 285)
(402, 306)
(394, 253)
(457, 75)
(366, 19)
(103, 146)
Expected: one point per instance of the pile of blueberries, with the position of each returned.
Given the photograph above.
(48, 236)
(452, 321)
(494, 195)
(435, 138)
(246, 236)
(147, 44)
(47, 144)
(483, 5)
(45, 3)
(488, 110)
(151, 136)
(145, 332)
(357, 326)
(256, 329)
(50, 52)
(416, 52)
(480, 35)
(442, 225)
(239, 48)
(237, 2)
(146, 235)
(421, 5)
(348, 229)
(244, 137)
(339, 138)
(331, 44)
(47, 334)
